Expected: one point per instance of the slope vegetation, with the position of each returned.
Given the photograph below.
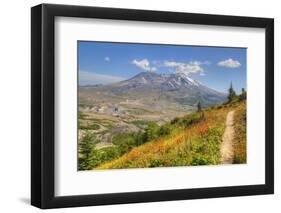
(195, 139)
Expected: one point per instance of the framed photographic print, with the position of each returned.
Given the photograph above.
(139, 106)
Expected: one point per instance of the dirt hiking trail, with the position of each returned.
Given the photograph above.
(227, 144)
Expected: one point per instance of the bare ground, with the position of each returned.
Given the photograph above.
(227, 144)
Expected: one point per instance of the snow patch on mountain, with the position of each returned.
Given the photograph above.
(192, 81)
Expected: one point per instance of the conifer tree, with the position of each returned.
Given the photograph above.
(231, 93)
(243, 94)
(87, 152)
(199, 108)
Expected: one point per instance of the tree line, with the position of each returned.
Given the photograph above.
(232, 96)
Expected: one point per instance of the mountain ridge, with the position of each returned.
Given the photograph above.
(175, 86)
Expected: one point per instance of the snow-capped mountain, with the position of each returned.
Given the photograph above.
(177, 87)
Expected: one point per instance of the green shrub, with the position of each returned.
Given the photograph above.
(199, 160)
(82, 115)
(156, 163)
(165, 129)
(151, 131)
(90, 127)
(188, 119)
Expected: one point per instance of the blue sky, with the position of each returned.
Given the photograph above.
(215, 67)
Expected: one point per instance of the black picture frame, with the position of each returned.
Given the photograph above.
(43, 102)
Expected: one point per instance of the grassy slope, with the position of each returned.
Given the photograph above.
(240, 134)
(198, 144)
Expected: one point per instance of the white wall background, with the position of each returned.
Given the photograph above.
(15, 105)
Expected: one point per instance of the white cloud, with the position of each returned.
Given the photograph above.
(144, 65)
(186, 68)
(230, 63)
(107, 59)
(90, 78)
